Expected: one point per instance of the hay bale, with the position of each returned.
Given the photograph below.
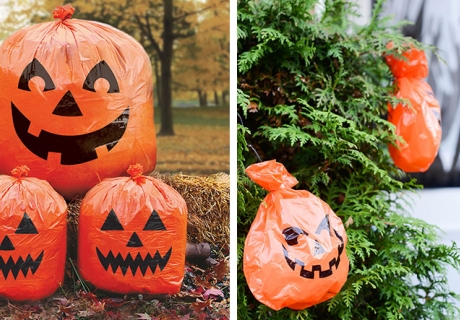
(208, 203)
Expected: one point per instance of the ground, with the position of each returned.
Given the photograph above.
(200, 146)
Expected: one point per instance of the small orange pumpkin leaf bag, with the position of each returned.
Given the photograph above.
(294, 254)
(132, 235)
(419, 123)
(32, 237)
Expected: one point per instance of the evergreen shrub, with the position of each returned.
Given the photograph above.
(313, 89)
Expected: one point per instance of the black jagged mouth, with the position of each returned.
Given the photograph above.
(133, 264)
(20, 265)
(310, 274)
(73, 149)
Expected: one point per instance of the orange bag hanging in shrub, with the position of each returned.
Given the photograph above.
(415, 64)
(76, 103)
(132, 235)
(294, 254)
(33, 222)
(419, 123)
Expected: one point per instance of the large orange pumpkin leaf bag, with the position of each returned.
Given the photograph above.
(76, 103)
(32, 237)
(132, 235)
(294, 254)
(419, 122)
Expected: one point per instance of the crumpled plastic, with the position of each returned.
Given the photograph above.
(419, 123)
(295, 251)
(76, 102)
(132, 235)
(413, 64)
(33, 237)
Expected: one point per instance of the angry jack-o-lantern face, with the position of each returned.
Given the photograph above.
(300, 257)
(76, 100)
(296, 238)
(32, 238)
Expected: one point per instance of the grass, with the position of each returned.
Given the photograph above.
(201, 144)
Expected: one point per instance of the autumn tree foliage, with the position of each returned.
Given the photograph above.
(21, 13)
(202, 62)
(161, 27)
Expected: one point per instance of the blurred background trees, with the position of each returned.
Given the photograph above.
(187, 41)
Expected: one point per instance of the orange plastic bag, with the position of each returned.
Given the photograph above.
(419, 123)
(33, 237)
(76, 103)
(132, 235)
(294, 254)
(415, 64)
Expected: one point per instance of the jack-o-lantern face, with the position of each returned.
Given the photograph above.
(132, 235)
(293, 235)
(74, 149)
(147, 259)
(77, 104)
(13, 263)
(32, 255)
(32, 237)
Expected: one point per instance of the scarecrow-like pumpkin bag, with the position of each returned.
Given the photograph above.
(419, 122)
(76, 103)
(294, 254)
(132, 235)
(32, 237)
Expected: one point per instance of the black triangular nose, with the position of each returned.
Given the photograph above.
(67, 106)
(135, 241)
(6, 244)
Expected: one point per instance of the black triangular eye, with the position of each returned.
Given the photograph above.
(6, 244)
(154, 222)
(112, 222)
(35, 68)
(101, 70)
(323, 225)
(26, 226)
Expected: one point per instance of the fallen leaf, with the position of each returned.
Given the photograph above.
(143, 316)
(97, 306)
(200, 305)
(199, 290)
(225, 312)
(213, 293)
(185, 317)
(62, 301)
(221, 269)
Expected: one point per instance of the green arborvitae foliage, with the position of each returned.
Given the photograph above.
(313, 90)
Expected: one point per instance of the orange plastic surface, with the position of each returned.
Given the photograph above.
(415, 64)
(132, 235)
(32, 237)
(294, 254)
(418, 124)
(76, 103)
